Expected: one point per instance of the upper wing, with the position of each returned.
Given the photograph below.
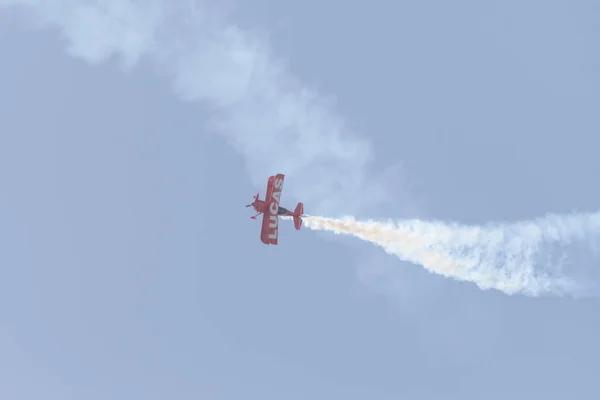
(270, 224)
(269, 191)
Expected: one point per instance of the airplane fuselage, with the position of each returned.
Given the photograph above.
(261, 207)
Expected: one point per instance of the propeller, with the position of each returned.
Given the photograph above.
(255, 198)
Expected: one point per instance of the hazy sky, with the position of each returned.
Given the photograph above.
(132, 136)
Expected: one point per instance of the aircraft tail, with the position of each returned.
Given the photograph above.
(298, 212)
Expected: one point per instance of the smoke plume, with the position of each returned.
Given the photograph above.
(550, 255)
(259, 104)
(256, 102)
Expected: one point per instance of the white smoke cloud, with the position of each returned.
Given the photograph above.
(551, 255)
(275, 121)
(279, 124)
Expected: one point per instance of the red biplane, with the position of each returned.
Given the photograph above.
(271, 210)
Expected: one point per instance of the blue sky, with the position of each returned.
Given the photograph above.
(131, 268)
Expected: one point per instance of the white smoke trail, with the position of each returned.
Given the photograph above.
(261, 104)
(256, 101)
(550, 255)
